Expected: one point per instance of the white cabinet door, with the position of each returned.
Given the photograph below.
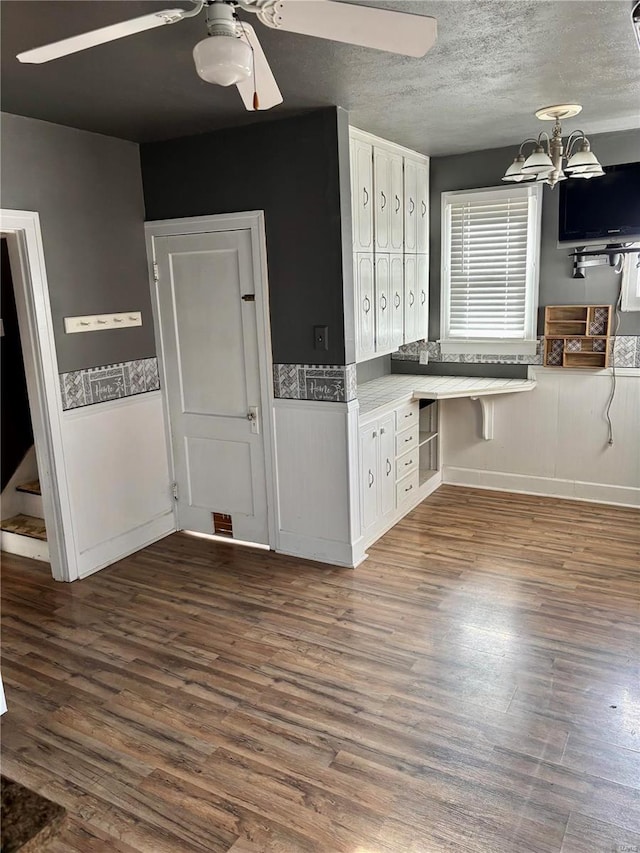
(369, 442)
(382, 206)
(362, 196)
(410, 298)
(396, 295)
(386, 465)
(410, 205)
(422, 294)
(365, 306)
(422, 208)
(396, 241)
(383, 304)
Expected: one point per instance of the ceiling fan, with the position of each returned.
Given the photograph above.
(232, 53)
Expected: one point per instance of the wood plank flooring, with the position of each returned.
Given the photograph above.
(472, 687)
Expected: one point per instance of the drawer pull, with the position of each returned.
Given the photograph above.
(410, 415)
(408, 489)
(410, 462)
(407, 440)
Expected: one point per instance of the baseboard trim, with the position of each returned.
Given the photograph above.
(25, 546)
(106, 553)
(577, 490)
(321, 550)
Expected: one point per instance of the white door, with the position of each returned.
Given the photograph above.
(207, 315)
(397, 203)
(410, 206)
(422, 294)
(369, 476)
(383, 304)
(396, 292)
(387, 465)
(362, 190)
(410, 299)
(365, 305)
(382, 187)
(422, 212)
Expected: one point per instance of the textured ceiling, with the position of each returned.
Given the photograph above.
(493, 65)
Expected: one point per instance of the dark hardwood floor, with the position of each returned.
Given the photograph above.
(472, 687)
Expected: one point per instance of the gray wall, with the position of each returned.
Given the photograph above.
(485, 169)
(88, 192)
(291, 170)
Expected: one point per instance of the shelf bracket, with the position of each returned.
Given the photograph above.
(486, 404)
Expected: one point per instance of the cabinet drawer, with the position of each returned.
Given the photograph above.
(407, 440)
(407, 415)
(407, 464)
(406, 488)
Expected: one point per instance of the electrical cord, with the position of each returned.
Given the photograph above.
(613, 366)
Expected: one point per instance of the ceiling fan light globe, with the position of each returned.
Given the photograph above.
(223, 60)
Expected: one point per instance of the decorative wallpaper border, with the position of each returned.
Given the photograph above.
(109, 382)
(327, 383)
(625, 352)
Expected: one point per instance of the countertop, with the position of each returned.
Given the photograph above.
(400, 387)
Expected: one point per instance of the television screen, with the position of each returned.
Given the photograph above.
(604, 209)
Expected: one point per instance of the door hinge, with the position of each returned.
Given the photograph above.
(249, 297)
(156, 274)
(174, 491)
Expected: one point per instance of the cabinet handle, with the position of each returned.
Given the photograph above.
(412, 206)
(408, 489)
(410, 415)
(412, 298)
(410, 462)
(397, 300)
(383, 199)
(424, 210)
(365, 197)
(374, 434)
(382, 431)
(424, 297)
(366, 302)
(397, 203)
(370, 478)
(388, 467)
(383, 301)
(407, 440)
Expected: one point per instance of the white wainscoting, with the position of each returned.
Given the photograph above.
(552, 440)
(118, 478)
(316, 477)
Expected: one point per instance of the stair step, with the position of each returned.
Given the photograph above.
(25, 525)
(31, 488)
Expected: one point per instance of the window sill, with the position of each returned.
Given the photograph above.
(485, 347)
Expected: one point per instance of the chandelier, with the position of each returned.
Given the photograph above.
(545, 162)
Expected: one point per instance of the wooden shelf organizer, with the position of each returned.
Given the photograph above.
(577, 335)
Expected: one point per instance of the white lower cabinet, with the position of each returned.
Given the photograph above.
(399, 464)
(377, 471)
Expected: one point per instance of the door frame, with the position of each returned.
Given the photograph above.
(252, 221)
(26, 254)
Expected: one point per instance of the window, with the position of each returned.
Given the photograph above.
(490, 270)
(631, 281)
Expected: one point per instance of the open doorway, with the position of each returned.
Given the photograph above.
(22, 238)
(23, 527)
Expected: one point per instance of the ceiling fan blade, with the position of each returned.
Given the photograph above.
(104, 34)
(259, 91)
(397, 32)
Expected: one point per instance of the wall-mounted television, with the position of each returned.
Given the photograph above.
(601, 210)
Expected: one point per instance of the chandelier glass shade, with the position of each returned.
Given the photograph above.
(548, 161)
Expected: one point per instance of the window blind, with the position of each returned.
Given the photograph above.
(489, 265)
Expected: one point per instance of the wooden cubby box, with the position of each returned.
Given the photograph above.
(577, 335)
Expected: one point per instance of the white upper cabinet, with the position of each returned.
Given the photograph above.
(382, 191)
(410, 206)
(365, 306)
(383, 304)
(396, 242)
(390, 208)
(422, 209)
(362, 195)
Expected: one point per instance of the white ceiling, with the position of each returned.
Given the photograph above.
(494, 64)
